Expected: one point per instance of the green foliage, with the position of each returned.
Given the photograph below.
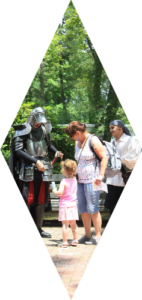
(75, 82)
(71, 84)
(121, 116)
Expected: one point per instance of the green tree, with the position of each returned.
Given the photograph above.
(71, 84)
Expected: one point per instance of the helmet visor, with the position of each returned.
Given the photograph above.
(40, 118)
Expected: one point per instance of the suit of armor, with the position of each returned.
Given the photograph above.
(36, 144)
(31, 146)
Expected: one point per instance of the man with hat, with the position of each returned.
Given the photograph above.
(30, 166)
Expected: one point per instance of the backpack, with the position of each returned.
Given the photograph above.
(114, 160)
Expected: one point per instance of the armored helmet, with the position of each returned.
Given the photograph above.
(38, 115)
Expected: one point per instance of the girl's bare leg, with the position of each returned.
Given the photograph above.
(74, 228)
(65, 230)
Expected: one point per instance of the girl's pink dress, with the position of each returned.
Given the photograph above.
(67, 205)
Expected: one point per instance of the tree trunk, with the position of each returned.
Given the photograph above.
(95, 101)
(42, 82)
(111, 111)
(97, 83)
(61, 86)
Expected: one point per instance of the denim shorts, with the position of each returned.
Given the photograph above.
(88, 200)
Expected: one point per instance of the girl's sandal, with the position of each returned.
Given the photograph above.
(73, 243)
(63, 245)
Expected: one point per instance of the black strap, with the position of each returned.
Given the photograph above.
(91, 146)
(103, 143)
(98, 138)
(82, 150)
(113, 142)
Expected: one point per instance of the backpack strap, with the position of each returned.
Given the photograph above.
(91, 146)
(114, 146)
(113, 142)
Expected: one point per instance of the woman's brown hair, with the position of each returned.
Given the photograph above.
(75, 126)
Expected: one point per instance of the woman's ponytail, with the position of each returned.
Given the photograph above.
(126, 130)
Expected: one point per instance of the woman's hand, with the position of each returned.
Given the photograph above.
(98, 180)
(59, 154)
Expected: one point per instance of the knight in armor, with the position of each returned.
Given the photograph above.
(30, 165)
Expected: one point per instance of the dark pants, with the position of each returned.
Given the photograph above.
(37, 212)
(112, 197)
(111, 213)
(35, 192)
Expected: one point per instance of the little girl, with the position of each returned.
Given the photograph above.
(67, 192)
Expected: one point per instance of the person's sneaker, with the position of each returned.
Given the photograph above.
(92, 241)
(83, 240)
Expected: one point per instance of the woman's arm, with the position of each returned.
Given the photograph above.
(100, 151)
(59, 193)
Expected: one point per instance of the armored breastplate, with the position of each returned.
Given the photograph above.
(36, 144)
(37, 148)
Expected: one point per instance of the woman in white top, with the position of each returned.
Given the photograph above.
(89, 170)
(129, 151)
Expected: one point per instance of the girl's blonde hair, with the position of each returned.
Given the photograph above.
(69, 166)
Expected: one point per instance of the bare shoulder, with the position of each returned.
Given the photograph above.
(95, 140)
(98, 147)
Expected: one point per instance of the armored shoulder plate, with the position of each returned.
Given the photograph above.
(21, 130)
(48, 127)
